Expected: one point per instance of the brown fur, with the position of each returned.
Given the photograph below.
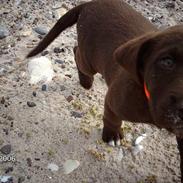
(119, 43)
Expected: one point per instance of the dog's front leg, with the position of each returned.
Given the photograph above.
(112, 127)
(180, 147)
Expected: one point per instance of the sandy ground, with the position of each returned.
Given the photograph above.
(66, 121)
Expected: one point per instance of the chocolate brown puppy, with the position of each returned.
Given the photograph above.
(142, 66)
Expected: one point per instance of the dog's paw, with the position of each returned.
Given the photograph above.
(112, 137)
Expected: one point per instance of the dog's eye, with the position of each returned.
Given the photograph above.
(166, 63)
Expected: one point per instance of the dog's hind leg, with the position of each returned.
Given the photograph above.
(85, 76)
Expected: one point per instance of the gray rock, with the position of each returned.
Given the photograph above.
(59, 61)
(34, 93)
(2, 70)
(29, 162)
(44, 87)
(58, 50)
(76, 114)
(4, 32)
(69, 98)
(31, 104)
(41, 30)
(44, 52)
(6, 149)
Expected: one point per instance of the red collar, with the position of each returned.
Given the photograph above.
(147, 93)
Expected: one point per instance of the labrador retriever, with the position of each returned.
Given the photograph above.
(142, 65)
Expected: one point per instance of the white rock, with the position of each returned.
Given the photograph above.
(4, 179)
(53, 167)
(140, 139)
(26, 33)
(70, 165)
(40, 69)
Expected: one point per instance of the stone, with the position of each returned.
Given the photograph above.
(76, 114)
(45, 52)
(69, 98)
(44, 87)
(41, 30)
(59, 61)
(70, 165)
(31, 104)
(29, 162)
(26, 33)
(4, 32)
(58, 50)
(53, 167)
(6, 149)
(34, 93)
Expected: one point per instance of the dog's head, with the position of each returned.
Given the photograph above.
(156, 62)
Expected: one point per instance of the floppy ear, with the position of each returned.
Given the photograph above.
(131, 54)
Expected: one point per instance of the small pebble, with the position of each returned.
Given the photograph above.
(5, 130)
(76, 114)
(53, 167)
(59, 61)
(2, 100)
(41, 30)
(3, 71)
(11, 124)
(140, 139)
(26, 33)
(57, 50)
(31, 104)
(37, 159)
(69, 98)
(6, 149)
(44, 87)
(34, 93)
(4, 32)
(70, 165)
(63, 66)
(44, 53)
(29, 162)
(68, 75)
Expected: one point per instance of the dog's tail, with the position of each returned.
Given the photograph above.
(67, 20)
